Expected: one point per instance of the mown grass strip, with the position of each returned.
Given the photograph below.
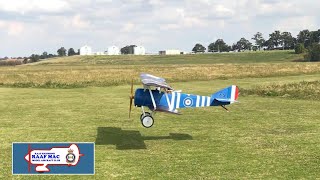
(241, 57)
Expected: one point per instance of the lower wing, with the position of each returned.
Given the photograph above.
(166, 110)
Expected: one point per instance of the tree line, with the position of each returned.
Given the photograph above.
(305, 42)
(64, 52)
(60, 52)
(70, 52)
(277, 40)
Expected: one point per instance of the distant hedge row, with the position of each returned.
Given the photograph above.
(10, 62)
(313, 52)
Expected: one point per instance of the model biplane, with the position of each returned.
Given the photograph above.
(158, 96)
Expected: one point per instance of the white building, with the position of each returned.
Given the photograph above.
(139, 50)
(170, 52)
(99, 53)
(113, 50)
(85, 50)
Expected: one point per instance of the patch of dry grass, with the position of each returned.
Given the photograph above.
(83, 71)
(107, 75)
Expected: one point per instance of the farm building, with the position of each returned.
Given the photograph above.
(113, 50)
(99, 53)
(139, 50)
(170, 52)
(85, 50)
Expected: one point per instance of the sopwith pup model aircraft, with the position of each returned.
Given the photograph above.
(163, 98)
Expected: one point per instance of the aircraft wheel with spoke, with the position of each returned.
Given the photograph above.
(147, 121)
(146, 113)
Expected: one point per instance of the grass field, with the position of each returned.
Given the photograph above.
(102, 71)
(274, 132)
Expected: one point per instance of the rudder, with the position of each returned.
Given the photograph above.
(225, 96)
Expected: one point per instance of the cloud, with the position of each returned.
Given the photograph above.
(128, 27)
(12, 28)
(170, 26)
(296, 24)
(15, 28)
(2, 24)
(79, 22)
(157, 24)
(223, 11)
(23, 6)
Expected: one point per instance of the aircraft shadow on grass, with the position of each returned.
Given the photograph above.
(129, 139)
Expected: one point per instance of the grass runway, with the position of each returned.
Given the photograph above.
(262, 137)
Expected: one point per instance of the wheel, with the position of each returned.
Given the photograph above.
(147, 113)
(147, 121)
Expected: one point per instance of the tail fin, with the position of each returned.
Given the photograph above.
(225, 96)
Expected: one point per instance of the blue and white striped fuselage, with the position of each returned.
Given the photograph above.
(172, 101)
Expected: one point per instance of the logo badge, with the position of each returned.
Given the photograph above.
(70, 156)
(53, 158)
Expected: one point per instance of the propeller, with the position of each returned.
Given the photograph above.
(131, 98)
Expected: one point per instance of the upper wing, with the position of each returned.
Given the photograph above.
(150, 80)
(149, 76)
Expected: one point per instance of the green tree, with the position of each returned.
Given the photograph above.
(218, 46)
(234, 47)
(51, 55)
(34, 58)
(25, 60)
(275, 38)
(198, 48)
(124, 50)
(268, 44)
(211, 47)
(315, 36)
(128, 49)
(61, 51)
(131, 49)
(71, 52)
(259, 40)
(313, 52)
(44, 55)
(299, 48)
(304, 37)
(243, 44)
(255, 48)
(287, 40)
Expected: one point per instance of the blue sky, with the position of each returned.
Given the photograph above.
(34, 26)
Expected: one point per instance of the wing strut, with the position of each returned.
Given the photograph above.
(153, 102)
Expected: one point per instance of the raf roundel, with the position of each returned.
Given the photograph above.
(187, 102)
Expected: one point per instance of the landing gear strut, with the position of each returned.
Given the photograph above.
(146, 113)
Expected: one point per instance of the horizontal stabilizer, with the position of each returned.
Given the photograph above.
(226, 100)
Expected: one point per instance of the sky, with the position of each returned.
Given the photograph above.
(35, 26)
